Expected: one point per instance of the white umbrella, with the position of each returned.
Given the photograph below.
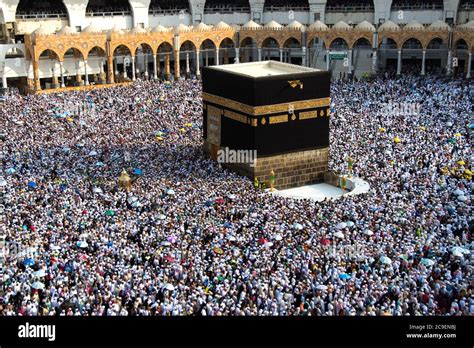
(82, 244)
(427, 262)
(97, 190)
(350, 224)
(386, 260)
(169, 287)
(40, 273)
(136, 204)
(3, 182)
(232, 196)
(321, 287)
(460, 250)
(100, 164)
(37, 285)
(132, 199)
(368, 232)
(462, 198)
(54, 247)
(339, 235)
(458, 192)
(161, 217)
(278, 237)
(341, 225)
(170, 192)
(93, 153)
(268, 244)
(298, 226)
(449, 123)
(232, 238)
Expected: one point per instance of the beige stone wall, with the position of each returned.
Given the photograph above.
(291, 170)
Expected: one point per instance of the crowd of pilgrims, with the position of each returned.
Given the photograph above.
(192, 238)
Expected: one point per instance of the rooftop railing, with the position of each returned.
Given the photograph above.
(225, 9)
(27, 16)
(108, 13)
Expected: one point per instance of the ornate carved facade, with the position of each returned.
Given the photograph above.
(171, 40)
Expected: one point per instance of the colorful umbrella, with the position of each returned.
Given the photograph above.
(109, 212)
(344, 276)
(137, 171)
(29, 262)
(32, 184)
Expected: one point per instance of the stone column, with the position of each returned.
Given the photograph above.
(374, 61)
(177, 72)
(423, 63)
(145, 61)
(4, 80)
(327, 60)
(155, 68)
(217, 57)
(449, 64)
(198, 68)
(188, 70)
(303, 56)
(37, 84)
(207, 57)
(399, 62)
(61, 70)
(110, 69)
(134, 76)
(259, 54)
(349, 61)
(53, 75)
(237, 55)
(469, 65)
(281, 54)
(85, 73)
(167, 66)
(78, 72)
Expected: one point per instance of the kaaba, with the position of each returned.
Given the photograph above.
(277, 111)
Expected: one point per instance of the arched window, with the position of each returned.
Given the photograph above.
(168, 6)
(108, 8)
(29, 9)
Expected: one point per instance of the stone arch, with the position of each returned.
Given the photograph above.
(247, 38)
(361, 42)
(434, 43)
(339, 43)
(26, 6)
(360, 38)
(221, 41)
(311, 41)
(286, 40)
(74, 50)
(115, 45)
(461, 44)
(267, 40)
(389, 37)
(49, 51)
(99, 6)
(413, 43)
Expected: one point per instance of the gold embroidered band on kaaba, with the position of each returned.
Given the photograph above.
(265, 109)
